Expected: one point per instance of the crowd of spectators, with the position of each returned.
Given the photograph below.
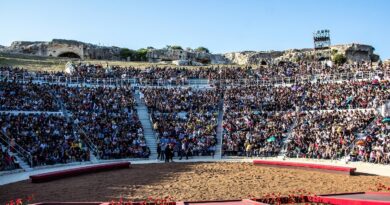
(327, 134)
(184, 118)
(279, 69)
(26, 97)
(180, 99)
(315, 118)
(254, 133)
(250, 111)
(109, 118)
(49, 139)
(310, 96)
(306, 68)
(105, 117)
(374, 147)
(247, 129)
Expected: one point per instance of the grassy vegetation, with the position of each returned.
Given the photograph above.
(33, 63)
(37, 63)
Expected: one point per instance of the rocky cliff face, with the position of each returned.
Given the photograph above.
(357, 52)
(252, 57)
(353, 53)
(77, 49)
(63, 48)
(386, 62)
(156, 55)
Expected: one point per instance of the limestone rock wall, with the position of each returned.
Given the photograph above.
(58, 47)
(156, 55)
(252, 57)
(353, 53)
(70, 48)
(357, 52)
(240, 58)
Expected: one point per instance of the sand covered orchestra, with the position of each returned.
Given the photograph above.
(191, 181)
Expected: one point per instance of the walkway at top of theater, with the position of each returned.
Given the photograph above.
(361, 167)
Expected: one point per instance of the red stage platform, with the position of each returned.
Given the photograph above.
(367, 198)
(360, 198)
(300, 165)
(77, 171)
(228, 202)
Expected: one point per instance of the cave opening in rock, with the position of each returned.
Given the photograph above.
(69, 55)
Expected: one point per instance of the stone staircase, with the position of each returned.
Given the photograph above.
(385, 109)
(287, 139)
(22, 163)
(143, 115)
(76, 129)
(218, 151)
(92, 157)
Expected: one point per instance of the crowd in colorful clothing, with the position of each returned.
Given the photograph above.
(316, 120)
(313, 119)
(185, 118)
(279, 69)
(26, 97)
(49, 139)
(327, 134)
(109, 118)
(374, 147)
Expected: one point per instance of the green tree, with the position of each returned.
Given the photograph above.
(339, 59)
(138, 55)
(175, 47)
(202, 49)
(141, 54)
(125, 53)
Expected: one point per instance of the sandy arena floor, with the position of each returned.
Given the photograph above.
(189, 181)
